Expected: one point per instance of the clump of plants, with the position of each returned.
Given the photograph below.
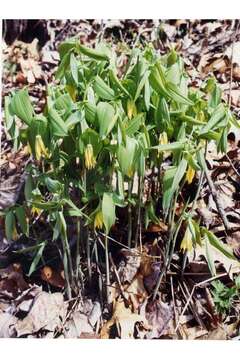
(110, 120)
(224, 296)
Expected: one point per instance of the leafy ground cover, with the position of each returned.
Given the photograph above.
(119, 182)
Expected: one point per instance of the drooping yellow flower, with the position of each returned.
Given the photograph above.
(27, 149)
(90, 161)
(190, 174)
(35, 211)
(14, 233)
(72, 92)
(163, 138)
(131, 109)
(187, 241)
(98, 220)
(40, 148)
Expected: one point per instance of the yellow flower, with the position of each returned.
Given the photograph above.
(72, 92)
(163, 138)
(190, 174)
(90, 161)
(35, 211)
(40, 148)
(27, 149)
(187, 242)
(130, 172)
(14, 233)
(98, 220)
(131, 109)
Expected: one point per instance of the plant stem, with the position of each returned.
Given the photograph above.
(130, 185)
(217, 199)
(166, 259)
(107, 270)
(89, 257)
(79, 277)
(100, 282)
(138, 228)
(66, 271)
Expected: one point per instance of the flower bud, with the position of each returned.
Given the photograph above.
(90, 161)
(98, 220)
(40, 148)
(187, 242)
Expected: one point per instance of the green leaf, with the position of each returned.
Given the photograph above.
(37, 258)
(209, 259)
(218, 244)
(63, 66)
(74, 68)
(28, 188)
(117, 82)
(58, 126)
(175, 93)
(21, 217)
(74, 119)
(103, 90)
(54, 186)
(65, 47)
(22, 107)
(9, 119)
(147, 94)
(157, 82)
(49, 206)
(126, 156)
(64, 102)
(9, 224)
(108, 210)
(177, 145)
(92, 53)
(171, 181)
(134, 125)
(141, 85)
(218, 114)
(106, 118)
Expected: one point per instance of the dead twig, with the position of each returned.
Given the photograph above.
(192, 292)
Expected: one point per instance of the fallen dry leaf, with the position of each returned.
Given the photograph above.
(129, 265)
(77, 325)
(11, 281)
(125, 320)
(7, 322)
(52, 276)
(158, 315)
(230, 265)
(47, 312)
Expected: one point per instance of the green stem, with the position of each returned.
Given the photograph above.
(130, 185)
(107, 270)
(66, 271)
(138, 228)
(89, 257)
(100, 282)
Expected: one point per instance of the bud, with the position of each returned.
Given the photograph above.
(163, 138)
(35, 211)
(14, 233)
(27, 149)
(90, 161)
(98, 220)
(131, 109)
(190, 174)
(40, 148)
(187, 243)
